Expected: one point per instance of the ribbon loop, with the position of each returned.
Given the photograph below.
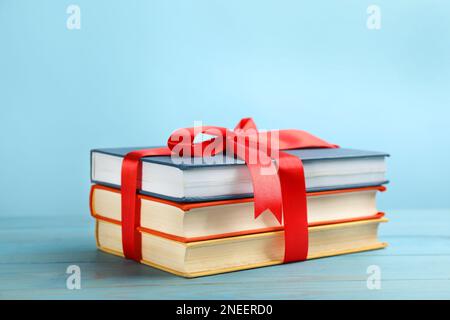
(245, 123)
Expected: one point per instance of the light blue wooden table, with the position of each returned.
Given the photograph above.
(35, 253)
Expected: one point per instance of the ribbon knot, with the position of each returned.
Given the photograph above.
(277, 177)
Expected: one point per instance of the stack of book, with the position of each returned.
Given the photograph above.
(197, 217)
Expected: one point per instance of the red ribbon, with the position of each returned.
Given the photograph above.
(281, 191)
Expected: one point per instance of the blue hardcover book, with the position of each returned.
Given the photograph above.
(224, 177)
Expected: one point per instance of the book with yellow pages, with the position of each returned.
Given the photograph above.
(201, 258)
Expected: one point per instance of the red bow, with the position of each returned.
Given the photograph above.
(281, 191)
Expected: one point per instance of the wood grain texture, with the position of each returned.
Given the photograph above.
(35, 252)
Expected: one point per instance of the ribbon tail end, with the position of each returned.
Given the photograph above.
(276, 211)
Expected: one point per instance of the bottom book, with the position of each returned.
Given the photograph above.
(201, 258)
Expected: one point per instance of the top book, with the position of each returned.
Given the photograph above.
(225, 177)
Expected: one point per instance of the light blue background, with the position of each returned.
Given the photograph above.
(139, 69)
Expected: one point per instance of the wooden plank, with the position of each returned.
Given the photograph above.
(35, 252)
